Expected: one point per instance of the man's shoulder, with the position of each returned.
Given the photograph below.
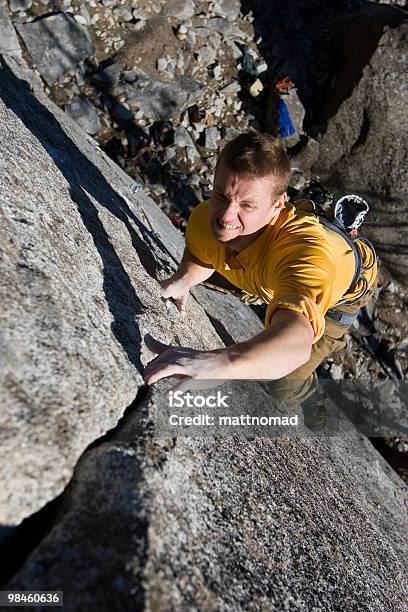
(198, 234)
(199, 213)
(298, 222)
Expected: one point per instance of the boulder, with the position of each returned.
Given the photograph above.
(148, 520)
(8, 37)
(158, 100)
(56, 43)
(364, 150)
(356, 37)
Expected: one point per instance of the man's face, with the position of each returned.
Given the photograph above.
(241, 206)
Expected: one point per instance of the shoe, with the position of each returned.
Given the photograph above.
(315, 414)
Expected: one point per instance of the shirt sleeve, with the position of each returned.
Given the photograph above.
(303, 282)
(198, 236)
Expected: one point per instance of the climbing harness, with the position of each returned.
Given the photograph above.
(347, 215)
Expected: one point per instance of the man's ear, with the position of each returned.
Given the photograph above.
(280, 201)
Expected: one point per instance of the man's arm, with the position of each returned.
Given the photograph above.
(188, 274)
(275, 352)
(278, 350)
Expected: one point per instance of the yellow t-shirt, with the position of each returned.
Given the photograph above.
(295, 263)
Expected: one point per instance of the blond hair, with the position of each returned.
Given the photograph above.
(257, 155)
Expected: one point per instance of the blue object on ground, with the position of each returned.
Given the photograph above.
(286, 127)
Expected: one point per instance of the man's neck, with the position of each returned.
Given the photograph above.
(242, 242)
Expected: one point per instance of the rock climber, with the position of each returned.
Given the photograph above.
(302, 269)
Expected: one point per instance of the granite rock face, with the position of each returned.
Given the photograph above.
(365, 148)
(152, 521)
(225, 523)
(79, 289)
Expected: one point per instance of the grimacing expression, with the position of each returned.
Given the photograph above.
(241, 206)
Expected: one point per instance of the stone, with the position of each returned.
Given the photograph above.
(217, 72)
(231, 88)
(161, 64)
(191, 39)
(192, 154)
(124, 13)
(81, 19)
(225, 28)
(160, 100)
(230, 9)
(83, 10)
(118, 44)
(364, 149)
(206, 55)
(140, 20)
(233, 49)
(262, 67)
(20, 5)
(179, 60)
(230, 133)
(256, 88)
(122, 113)
(110, 78)
(56, 44)
(157, 189)
(168, 154)
(8, 38)
(84, 113)
(212, 138)
(336, 371)
(180, 9)
(182, 137)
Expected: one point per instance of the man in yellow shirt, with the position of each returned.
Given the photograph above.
(251, 235)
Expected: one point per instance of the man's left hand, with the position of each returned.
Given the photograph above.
(180, 362)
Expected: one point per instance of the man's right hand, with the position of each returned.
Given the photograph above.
(177, 290)
(189, 274)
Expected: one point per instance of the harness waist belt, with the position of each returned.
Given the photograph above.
(342, 318)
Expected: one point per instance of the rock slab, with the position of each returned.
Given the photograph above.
(365, 148)
(79, 268)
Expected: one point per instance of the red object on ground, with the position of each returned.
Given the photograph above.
(175, 219)
(284, 83)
